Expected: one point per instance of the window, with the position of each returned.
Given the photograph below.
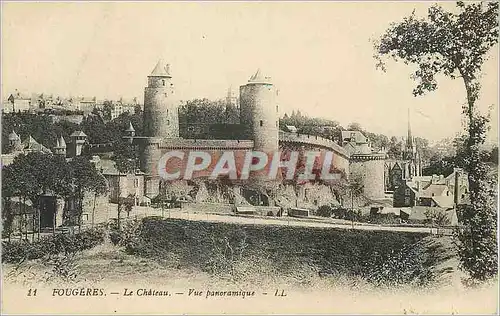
(447, 193)
(277, 108)
(276, 123)
(85, 217)
(432, 194)
(163, 82)
(165, 94)
(261, 123)
(168, 122)
(136, 183)
(407, 201)
(407, 191)
(167, 109)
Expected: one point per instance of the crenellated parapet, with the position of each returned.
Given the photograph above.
(367, 157)
(320, 142)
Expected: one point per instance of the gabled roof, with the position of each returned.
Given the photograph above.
(161, 69)
(30, 144)
(434, 190)
(359, 137)
(19, 96)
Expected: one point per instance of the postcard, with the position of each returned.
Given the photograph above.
(182, 158)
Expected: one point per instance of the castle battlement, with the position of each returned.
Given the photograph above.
(285, 137)
(206, 144)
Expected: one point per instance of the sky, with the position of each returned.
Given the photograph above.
(318, 54)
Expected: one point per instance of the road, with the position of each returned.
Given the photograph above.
(282, 221)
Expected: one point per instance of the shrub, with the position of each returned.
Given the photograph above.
(127, 234)
(217, 248)
(325, 211)
(18, 251)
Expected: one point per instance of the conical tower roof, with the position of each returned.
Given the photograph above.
(78, 134)
(161, 69)
(130, 127)
(61, 143)
(13, 136)
(258, 77)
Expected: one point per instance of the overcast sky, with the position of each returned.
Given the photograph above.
(318, 55)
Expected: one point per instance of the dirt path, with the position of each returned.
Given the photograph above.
(282, 221)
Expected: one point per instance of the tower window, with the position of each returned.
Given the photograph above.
(276, 123)
(167, 109)
(277, 108)
(163, 82)
(165, 94)
(261, 123)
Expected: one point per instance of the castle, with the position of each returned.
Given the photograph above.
(259, 119)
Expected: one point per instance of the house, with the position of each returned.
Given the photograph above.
(19, 102)
(433, 191)
(355, 137)
(123, 106)
(122, 185)
(434, 215)
(86, 104)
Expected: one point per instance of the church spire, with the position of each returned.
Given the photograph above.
(409, 138)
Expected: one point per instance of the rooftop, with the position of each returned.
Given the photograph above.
(161, 69)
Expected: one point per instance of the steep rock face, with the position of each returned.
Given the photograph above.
(217, 192)
(305, 196)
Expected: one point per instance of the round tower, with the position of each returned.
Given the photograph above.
(259, 112)
(371, 168)
(161, 118)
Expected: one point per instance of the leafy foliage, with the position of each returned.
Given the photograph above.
(35, 174)
(18, 251)
(327, 251)
(456, 44)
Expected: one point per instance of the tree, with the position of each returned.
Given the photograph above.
(85, 178)
(440, 165)
(354, 127)
(107, 108)
(32, 176)
(355, 186)
(456, 44)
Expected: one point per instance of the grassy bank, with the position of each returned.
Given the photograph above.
(258, 253)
